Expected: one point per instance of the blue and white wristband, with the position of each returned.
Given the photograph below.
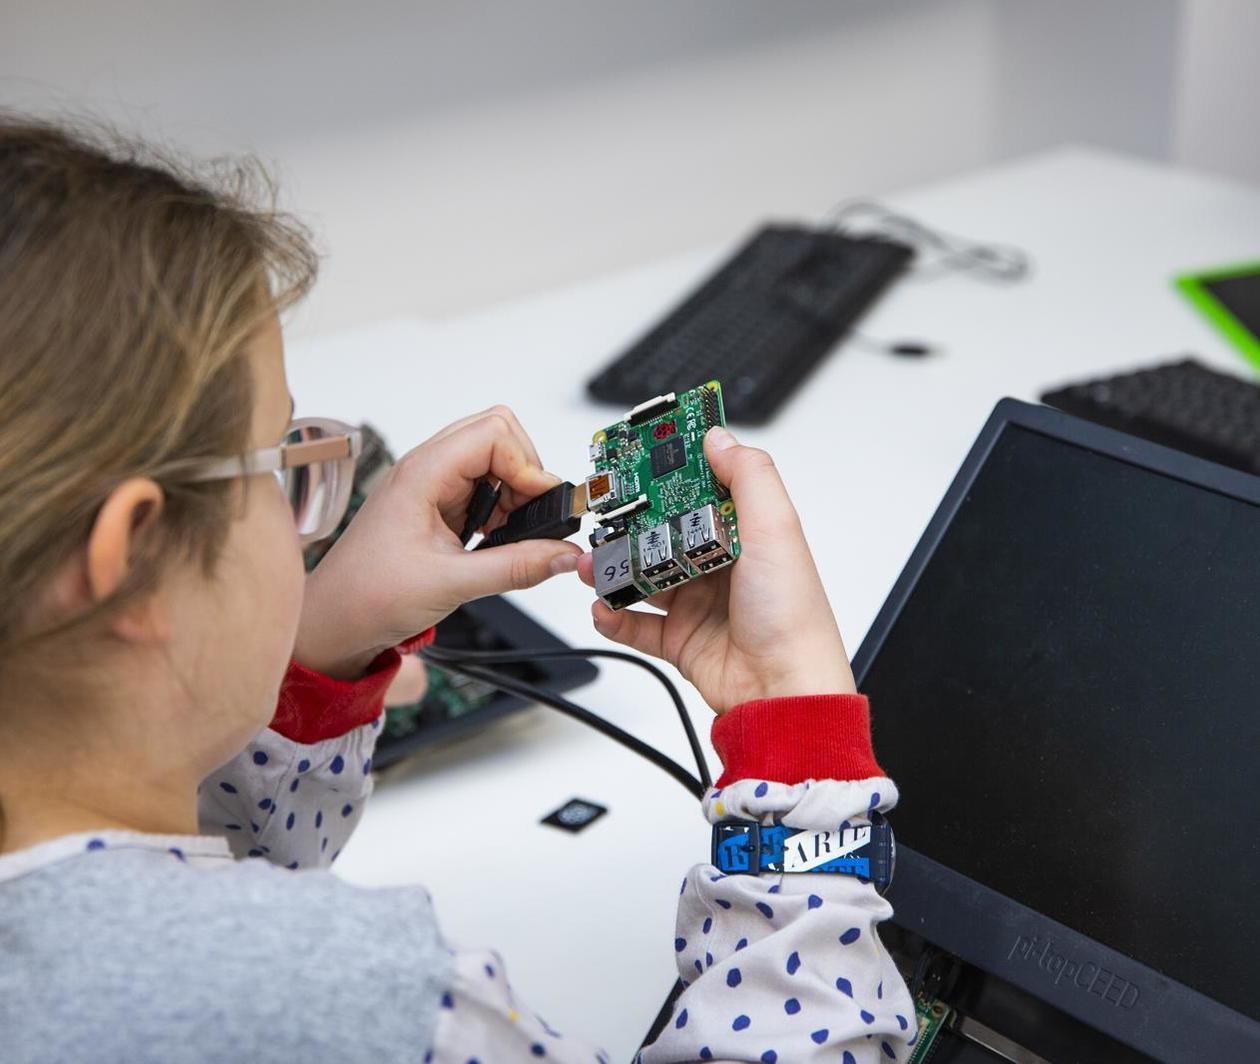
(866, 851)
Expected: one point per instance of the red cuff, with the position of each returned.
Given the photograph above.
(313, 707)
(803, 737)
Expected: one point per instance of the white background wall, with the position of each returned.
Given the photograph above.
(453, 154)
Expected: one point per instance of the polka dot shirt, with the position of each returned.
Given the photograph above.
(776, 968)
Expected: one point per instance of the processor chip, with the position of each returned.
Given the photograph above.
(668, 456)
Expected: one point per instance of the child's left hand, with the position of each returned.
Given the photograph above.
(399, 568)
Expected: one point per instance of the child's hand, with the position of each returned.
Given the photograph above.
(400, 568)
(760, 628)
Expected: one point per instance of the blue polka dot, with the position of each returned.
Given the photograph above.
(847, 1058)
(338, 763)
(288, 823)
(879, 990)
(820, 1036)
(177, 852)
(741, 1022)
(681, 1022)
(490, 970)
(303, 765)
(294, 786)
(888, 1050)
(292, 867)
(232, 827)
(707, 926)
(741, 944)
(700, 967)
(765, 910)
(901, 1022)
(793, 962)
(260, 758)
(265, 804)
(683, 889)
(254, 827)
(537, 1050)
(706, 1053)
(850, 937)
(323, 846)
(367, 766)
(722, 903)
(319, 818)
(708, 960)
(769, 1057)
(774, 889)
(791, 1006)
(844, 986)
(336, 854)
(814, 901)
(96, 844)
(874, 799)
(680, 944)
(448, 1002)
(255, 853)
(733, 978)
(714, 879)
(866, 1016)
(225, 786)
(761, 790)
(347, 809)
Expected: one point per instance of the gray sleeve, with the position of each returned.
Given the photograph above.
(292, 803)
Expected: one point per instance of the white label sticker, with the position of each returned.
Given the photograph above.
(809, 849)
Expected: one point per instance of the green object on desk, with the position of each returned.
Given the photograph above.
(1216, 294)
(932, 1017)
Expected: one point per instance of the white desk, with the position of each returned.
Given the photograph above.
(585, 921)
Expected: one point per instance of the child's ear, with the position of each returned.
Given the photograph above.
(115, 546)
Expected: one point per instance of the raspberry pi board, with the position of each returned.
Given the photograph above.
(665, 518)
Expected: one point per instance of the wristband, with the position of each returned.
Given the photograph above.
(865, 851)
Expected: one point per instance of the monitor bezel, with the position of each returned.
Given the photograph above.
(1168, 1020)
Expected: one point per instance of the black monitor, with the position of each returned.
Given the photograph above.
(1065, 684)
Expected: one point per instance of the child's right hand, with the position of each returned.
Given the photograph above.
(760, 628)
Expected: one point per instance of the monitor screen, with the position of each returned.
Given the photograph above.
(1240, 295)
(1069, 701)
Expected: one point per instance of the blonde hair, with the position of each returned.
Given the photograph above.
(130, 285)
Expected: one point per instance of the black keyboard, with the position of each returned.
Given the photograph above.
(760, 323)
(1183, 405)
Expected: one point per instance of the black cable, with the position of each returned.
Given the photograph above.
(555, 514)
(481, 506)
(506, 656)
(901, 348)
(524, 689)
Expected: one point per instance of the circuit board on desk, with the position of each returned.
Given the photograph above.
(931, 1017)
(664, 516)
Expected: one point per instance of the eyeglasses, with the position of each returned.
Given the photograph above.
(314, 465)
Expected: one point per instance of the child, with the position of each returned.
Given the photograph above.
(187, 720)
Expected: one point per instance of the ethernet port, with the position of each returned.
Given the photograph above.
(624, 596)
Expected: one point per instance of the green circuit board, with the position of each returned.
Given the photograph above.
(447, 696)
(665, 517)
(932, 1017)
